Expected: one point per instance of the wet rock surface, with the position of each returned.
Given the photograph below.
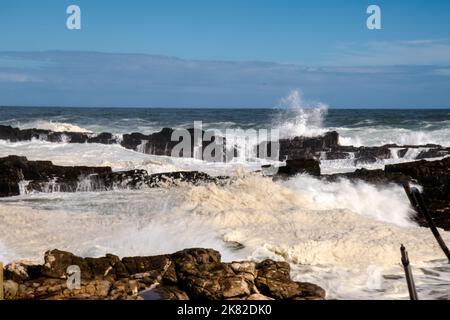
(159, 143)
(18, 174)
(325, 147)
(300, 166)
(195, 274)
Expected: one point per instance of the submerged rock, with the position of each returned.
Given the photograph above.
(196, 274)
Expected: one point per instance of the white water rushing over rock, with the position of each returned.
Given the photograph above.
(343, 236)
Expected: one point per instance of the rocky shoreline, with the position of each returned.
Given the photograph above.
(191, 274)
(18, 175)
(325, 147)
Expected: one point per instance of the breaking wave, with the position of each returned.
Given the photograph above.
(53, 126)
(337, 230)
(297, 117)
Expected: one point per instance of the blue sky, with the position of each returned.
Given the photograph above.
(235, 53)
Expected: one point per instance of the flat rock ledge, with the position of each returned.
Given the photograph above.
(191, 274)
(18, 175)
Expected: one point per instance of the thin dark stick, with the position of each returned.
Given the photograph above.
(408, 274)
(422, 208)
(1, 281)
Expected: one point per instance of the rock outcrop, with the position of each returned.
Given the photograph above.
(159, 143)
(307, 148)
(325, 147)
(196, 274)
(300, 166)
(19, 175)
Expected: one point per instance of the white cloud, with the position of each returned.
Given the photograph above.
(442, 72)
(15, 77)
(388, 53)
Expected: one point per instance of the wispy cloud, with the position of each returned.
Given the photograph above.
(105, 79)
(442, 72)
(15, 77)
(388, 53)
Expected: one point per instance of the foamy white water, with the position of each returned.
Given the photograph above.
(344, 236)
(53, 126)
(382, 135)
(347, 240)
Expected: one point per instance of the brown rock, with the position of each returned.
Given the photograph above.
(164, 293)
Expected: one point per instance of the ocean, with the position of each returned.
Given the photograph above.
(344, 236)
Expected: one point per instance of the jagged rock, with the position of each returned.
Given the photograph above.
(123, 288)
(154, 269)
(56, 289)
(274, 281)
(196, 274)
(434, 153)
(21, 271)
(14, 169)
(18, 173)
(57, 262)
(10, 289)
(371, 154)
(164, 293)
(305, 148)
(325, 147)
(15, 134)
(258, 297)
(310, 291)
(298, 166)
(203, 276)
(159, 143)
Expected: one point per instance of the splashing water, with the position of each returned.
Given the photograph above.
(300, 118)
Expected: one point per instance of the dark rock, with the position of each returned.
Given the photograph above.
(159, 143)
(335, 155)
(20, 271)
(160, 268)
(196, 274)
(14, 169)
(274, 281)
(15, 134)
(203, 277)
(164, 293)
(305, 148)
(57, 262)
(371, 154)
(433, 153)
(43, 176)
(299, 166)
